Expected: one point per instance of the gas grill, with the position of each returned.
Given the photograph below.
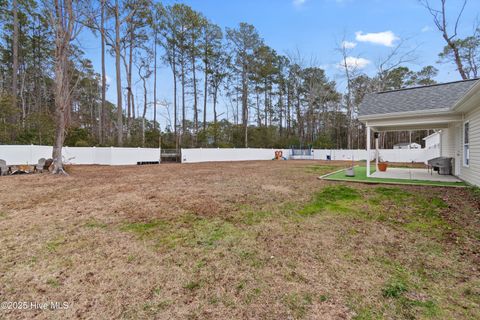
(443, 165)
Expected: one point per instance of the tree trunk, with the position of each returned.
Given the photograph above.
(155, 82)
(101, 114)
(288, 110)
(144, 110)
(280, 107)
(245, 105)
(119, 76)
(174, 71)
(184, 119)
(15, 57)
(130, 72)
(205, 94)
(299, 119)
(195, 102)
(265, 107)
(64, 21)
(259, 120)
(456, 54)
(215, 135)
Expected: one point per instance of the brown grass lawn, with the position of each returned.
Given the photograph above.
(251, 240)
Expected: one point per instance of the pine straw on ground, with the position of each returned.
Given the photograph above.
(244, 240)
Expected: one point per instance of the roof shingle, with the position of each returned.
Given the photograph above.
(437, 96)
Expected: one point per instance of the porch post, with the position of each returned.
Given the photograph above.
(377, 154)
(368, 151)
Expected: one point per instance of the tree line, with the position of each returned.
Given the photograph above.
(51, 94)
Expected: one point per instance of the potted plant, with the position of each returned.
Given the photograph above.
(382, 165)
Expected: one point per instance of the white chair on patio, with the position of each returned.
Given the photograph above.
(40, 165)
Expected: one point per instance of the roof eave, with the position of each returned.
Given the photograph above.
(394, 115)
(469, 100)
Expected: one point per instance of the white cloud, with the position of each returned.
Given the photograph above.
(426, 29)
(349, 44)
(108, 79)
(354, 63)
(298, 3)
(385, 38)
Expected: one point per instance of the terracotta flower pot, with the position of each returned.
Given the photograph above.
(382, 166)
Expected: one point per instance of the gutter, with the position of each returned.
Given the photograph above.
(442, 111)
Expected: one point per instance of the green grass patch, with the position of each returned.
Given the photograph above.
(250, 257)
(361, 176)
(394, 289)
(298, 303)
(53, 283)
(475, 191)
(318, 169)
(53, 245)
(333, 198)
(154, 307)
(399, 292)
(367, 313)
(414, 212)
(188, 230)
(145, 229)
(252, 295)
(192, 285)
(250, 217)
(209, 232)
(93, 224)
(426, 216)
(393, 193)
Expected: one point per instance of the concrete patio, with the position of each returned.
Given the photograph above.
(413, 174)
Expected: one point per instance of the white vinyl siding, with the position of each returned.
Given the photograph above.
(448, 142)
(471, 173)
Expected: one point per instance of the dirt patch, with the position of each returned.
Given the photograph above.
(264, 240)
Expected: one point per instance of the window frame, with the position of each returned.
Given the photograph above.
(466, 144)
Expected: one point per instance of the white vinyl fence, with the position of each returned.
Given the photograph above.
(225, 154)
(229, 154)
(29, 154)
(391, 155)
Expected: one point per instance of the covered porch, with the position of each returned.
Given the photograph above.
(413, 174)
(433, 120)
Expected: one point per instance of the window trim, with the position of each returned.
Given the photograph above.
(465, 161)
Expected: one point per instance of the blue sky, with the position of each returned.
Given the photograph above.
(315, 28)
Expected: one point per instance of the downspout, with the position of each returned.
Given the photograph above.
(368, 150)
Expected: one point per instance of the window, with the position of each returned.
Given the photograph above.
(466, 147)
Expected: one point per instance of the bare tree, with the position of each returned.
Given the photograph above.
(440, 20)
(118, 74)
(398, 56)
(101, 113)
(351, 71)
(169, 31)
(244, 40)
(65, 18)
(144, 72)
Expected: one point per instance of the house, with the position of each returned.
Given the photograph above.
(453, 108)
(407, 145)
(432, 141)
